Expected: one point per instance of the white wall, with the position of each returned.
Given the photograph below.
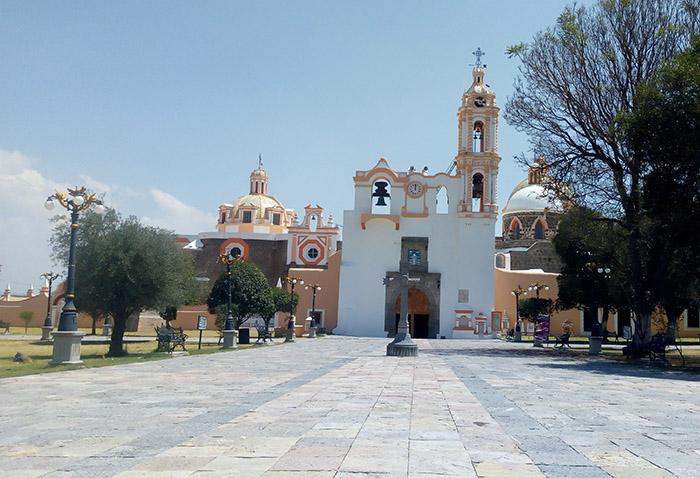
(460, 249)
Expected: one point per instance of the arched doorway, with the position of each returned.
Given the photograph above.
(418, 313)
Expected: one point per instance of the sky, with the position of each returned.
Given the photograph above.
(164, 106)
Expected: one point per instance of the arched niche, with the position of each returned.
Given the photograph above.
(515, 229)
(442, 201)
(381, 196)
(540, 229)
(478, 137)
(477, 192)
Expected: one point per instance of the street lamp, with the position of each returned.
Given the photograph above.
(67, 339)
(229, 329)
(312, 325)
(48, 325)
(537, 287)
(517, 293)
(604, 272)
(402, 345)
(292, 281)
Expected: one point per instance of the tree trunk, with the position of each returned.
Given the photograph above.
(672, 315)
(94, 322)
(640, 300)
(116, 344)
(642, 332)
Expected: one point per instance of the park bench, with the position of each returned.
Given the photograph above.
(169, 338)
(659, 345)
(563, 340)
(263, 333)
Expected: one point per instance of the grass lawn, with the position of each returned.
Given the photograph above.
(92, 355)
(149, 333)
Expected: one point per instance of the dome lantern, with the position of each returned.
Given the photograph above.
(258, 179)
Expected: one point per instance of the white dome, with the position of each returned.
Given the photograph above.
(530, 198)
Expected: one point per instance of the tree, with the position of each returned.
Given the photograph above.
(586, 242)
(533, 307)
(249, 291)
(576, 81)
(664, 129)
(124, 267)
(279, 300)
(26, 317)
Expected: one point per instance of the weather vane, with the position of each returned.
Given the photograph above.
(478, 53)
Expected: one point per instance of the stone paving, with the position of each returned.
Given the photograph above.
(337, 407)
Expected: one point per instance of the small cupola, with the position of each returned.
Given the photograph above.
(258, 179)
(537, 171)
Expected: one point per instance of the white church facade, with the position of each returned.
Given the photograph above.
(400, 225)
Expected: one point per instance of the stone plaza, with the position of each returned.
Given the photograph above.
(338, 407)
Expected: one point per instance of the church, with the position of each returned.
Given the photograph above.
(399, 228)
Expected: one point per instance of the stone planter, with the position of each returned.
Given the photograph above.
(594, 345)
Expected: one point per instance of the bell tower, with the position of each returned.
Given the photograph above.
(477, 145)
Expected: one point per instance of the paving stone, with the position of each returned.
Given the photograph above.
(459, 409)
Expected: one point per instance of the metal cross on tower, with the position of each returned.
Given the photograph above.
(478, 53)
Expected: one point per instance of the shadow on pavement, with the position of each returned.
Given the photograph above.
(561, 360)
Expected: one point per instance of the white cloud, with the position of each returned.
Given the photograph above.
(175, 215)
(25, 226)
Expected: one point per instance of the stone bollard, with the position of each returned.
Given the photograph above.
(66, 347)
(230, 339)
(46, 332)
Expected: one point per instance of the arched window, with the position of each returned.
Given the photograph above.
(477, 192)
(501, 261)
(441, 201)
(313, 223)
(223, 218)
(539, 230)
(515, 229)
(381, 197)
(478, 137)
(256, 187)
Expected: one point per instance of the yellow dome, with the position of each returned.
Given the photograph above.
(260, 201)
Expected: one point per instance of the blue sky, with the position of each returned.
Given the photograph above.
(165, 106)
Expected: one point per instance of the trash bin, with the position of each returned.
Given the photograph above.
(243, 336)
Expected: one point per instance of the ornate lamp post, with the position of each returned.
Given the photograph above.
(229, 324)
(312, 326)
(403, 345)
(517, 293)
(292, 281)
(48, 324)
(537, 287)
(66, 343)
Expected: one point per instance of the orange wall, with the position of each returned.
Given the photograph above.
(506, 281)
(326, 298)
